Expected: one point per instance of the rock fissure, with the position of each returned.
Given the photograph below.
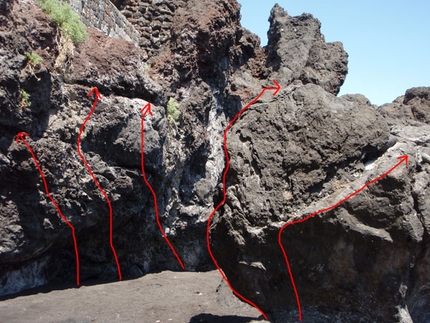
(365, 261)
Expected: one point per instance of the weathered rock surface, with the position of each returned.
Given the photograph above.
(409, 108)
(297, 51)
(343, 260)
(291, 155)
(36, 244)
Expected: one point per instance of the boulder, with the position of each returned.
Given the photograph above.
(304, 152)
(292, 154)
(408, 109)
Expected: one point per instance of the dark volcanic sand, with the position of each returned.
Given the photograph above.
(176, 297)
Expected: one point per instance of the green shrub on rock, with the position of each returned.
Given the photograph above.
(33, 59)
(70, 22)
(172, 110)
(25, 98)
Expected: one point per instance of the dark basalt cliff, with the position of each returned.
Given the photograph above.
(291, 154)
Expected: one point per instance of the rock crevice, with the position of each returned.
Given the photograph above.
(291, 155)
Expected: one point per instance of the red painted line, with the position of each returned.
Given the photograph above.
(401, 158)
(97, 97)
(147, 109)
(21, 136)
(224, 184)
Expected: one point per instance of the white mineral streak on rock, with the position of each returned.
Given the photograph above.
(216, 161)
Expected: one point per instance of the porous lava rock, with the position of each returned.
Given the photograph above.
(297, 51)
(299, 154)
(291, 155)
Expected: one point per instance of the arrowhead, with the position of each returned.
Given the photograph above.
(97, 93)
(404, 158)
(146, 109)
(278, 87)
(21, 135)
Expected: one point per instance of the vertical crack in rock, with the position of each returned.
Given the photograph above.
(365, 261)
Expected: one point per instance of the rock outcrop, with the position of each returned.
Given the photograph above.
(292, 154)
(297, 51)
(372, 245)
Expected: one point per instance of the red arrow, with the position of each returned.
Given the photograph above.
(96, 93)
(96, 98)
(276, 89)
(224, 184)
(21, 136)
(145, 110)
(401, 158)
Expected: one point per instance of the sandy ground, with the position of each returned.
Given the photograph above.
(166, 297)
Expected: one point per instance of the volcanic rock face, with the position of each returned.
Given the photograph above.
(297, 50)
(360, 258)
(292, 154)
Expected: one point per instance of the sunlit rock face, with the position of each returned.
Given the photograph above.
(292, 154)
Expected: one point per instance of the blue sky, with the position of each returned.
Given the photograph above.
(388, 41)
